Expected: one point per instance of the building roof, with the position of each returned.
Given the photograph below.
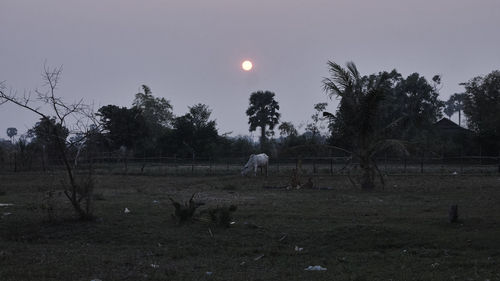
(448, 125)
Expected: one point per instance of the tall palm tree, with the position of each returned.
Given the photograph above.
(263, 112)
(455, 104)
(357, 117)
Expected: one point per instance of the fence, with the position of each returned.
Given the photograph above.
(224, 166)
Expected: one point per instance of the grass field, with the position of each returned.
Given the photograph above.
(399, 233)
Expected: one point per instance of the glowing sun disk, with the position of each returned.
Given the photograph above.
(247, 65)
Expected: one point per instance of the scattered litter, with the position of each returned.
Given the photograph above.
(315, 268)
(233, 222)
(209, 273)
(283, 237)
(454, 173)
(405, 251)
(155, 265)
(6, 214)
(258, 258)
(242, 263)
(6, 204)
(434, 265)
(126, 211)
(210, 232)
(297, 249)
(156, 201)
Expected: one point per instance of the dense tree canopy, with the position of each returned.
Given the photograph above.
(123, 126)
(194, 133)
(156, 111)
(358, 115)
(413, 98)
(482, 107)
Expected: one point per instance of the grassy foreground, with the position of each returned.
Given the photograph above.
(400, 233)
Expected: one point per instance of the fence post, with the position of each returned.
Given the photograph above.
(404, 164)
(192, 165)
(175, 164)
(422, 163)
(209, 165)
(498, 162)
(462, 163)
(385, 161)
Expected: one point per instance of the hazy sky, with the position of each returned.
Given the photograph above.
(191, 51)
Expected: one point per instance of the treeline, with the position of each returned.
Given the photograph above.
(408, 111)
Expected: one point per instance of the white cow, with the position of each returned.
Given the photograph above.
(255, 161)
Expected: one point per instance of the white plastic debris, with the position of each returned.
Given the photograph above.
(126, 211)
(156, 201)
(315, 268)
(155, 265)
(454, 173)
(298, 249)
(434, 265)
(233, 222)
(5, 204)
(6, 214)
(208, 273)
(258, 258)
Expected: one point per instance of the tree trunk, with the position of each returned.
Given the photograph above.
(368, 178)
(262, 137)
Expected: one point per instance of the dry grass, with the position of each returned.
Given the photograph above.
(400, 233)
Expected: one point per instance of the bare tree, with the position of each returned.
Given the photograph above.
(79, 115)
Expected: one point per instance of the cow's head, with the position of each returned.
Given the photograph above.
(245, 170)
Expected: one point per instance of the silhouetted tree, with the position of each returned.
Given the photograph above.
(455, 104)
(195, 132)
(287, 129)
(357, 116)
(482, 107)
(263, 112)
(51, 127)
(46, 134)
(314, 128)
(11, 132)
(123, 126)
(156, 111)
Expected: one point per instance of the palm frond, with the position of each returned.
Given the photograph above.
(353, 70)
(394, 144)
(340, 80)
(393, 125)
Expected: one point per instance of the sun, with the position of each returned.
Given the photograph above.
(247, 65)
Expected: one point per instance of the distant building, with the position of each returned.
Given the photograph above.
(453, 139)
(446, 126)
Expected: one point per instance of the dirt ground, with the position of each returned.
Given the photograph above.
(399, 233)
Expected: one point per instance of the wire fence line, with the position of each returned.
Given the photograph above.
(108, 164)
